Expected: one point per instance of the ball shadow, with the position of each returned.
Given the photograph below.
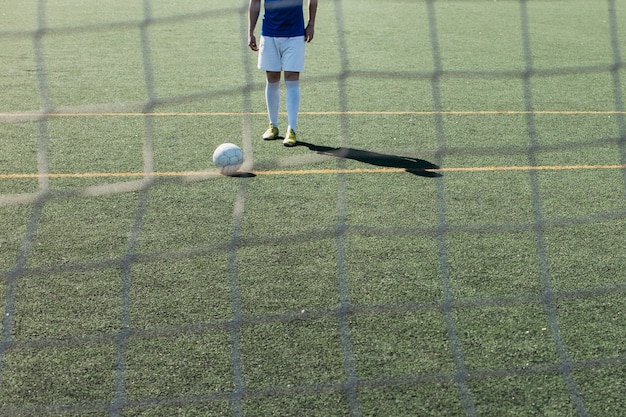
(243, 175)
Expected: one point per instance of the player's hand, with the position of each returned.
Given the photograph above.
(309, 32)
(252, 43)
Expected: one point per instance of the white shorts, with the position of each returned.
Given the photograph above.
(281, 54)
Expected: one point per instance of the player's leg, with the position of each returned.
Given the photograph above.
(270, 62)
(293, 65)
(272, 102)
(292, 96)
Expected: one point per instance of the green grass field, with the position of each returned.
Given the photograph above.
(448, 239)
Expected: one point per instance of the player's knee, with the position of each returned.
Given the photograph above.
(273, 77)
(292, 76)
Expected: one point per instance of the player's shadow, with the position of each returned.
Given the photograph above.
(414, 166)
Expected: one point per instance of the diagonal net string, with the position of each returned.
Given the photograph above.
(461, 373)
(350, 390)
(8, 320)
(618, 65)
(565, 365)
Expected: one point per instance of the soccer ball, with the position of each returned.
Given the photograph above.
(228, 157)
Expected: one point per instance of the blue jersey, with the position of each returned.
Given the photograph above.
(283, 19)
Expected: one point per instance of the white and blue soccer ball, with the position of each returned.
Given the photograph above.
(228, 157)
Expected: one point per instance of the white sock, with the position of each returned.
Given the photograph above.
(293, 103)
(272, 100)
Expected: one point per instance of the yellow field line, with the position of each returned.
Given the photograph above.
(310, 171)
(78, 113)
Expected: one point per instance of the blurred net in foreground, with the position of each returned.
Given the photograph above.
(99, 361)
